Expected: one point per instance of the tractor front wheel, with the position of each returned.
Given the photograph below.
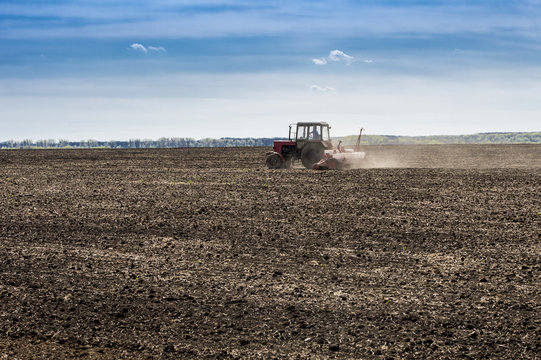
(274, 161)
(311, 153)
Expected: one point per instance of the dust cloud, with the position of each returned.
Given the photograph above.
(460, 156)
(374, 161)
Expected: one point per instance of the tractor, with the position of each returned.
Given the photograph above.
(311, 143)
(307, 142)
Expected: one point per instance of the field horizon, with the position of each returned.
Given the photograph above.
(367, 139)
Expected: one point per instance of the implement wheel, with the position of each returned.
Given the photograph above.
(311, 153)
(274, 161)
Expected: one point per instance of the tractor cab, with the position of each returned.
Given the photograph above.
(302, 132)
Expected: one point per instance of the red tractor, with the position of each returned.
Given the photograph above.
(307, 142)
(311, 143)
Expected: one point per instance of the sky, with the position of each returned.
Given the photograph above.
(116, 70)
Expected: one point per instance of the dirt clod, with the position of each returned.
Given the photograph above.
(334, 347)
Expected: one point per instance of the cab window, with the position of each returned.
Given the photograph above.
(302, 132)
(325, 134)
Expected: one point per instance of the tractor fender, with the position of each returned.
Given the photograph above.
(274, 152)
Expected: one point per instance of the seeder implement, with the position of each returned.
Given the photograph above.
(340, 157)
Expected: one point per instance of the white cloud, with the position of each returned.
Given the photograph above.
(336, 56)
(320, 61)
(321, 88)
(142, 48)
(368, 61)
(139, 47)
(157, 48)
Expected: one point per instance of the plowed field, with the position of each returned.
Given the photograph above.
(427, 252)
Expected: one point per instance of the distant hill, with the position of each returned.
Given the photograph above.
(482, 138)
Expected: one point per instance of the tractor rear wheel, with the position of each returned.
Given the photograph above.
(311, 153)
(274, 161)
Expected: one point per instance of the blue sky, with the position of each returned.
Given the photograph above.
(208, 68)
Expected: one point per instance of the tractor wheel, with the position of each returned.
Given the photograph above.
(274, 161)
(311, 153)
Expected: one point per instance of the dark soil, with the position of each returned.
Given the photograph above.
(204, 253)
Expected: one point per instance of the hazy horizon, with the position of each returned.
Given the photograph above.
(233, 68)
(267, 137)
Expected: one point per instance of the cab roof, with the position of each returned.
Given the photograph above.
(312, 124)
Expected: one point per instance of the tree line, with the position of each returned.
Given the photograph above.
(137, 143)
(177, 142)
